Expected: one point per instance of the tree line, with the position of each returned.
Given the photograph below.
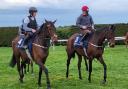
(7, 34)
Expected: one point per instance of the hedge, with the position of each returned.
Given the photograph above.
(7, 34)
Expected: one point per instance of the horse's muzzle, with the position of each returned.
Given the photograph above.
(54, 39)
(112, 45)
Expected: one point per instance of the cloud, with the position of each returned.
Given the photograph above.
(109, 5)
(97, 5)
(64, 4)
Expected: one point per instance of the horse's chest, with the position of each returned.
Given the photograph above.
(95, 52)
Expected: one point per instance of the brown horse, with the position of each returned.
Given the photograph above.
(40, 51)
(126, 40)
(95, 49)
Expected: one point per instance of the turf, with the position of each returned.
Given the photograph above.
(115, 58)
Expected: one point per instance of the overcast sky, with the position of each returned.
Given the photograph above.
(65, 11)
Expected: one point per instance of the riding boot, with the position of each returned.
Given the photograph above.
(26, 41)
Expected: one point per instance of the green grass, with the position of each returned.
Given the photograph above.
(115, 58)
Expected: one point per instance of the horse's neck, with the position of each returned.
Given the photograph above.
(40, 39)
(98, 38)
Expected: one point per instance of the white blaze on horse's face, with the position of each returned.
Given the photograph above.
(111, 36)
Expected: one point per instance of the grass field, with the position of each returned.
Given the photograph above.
(115, 58)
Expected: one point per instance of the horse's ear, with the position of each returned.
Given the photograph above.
(112, 27)
(54, 21)
(46, 21)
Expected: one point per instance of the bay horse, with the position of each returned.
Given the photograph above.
(40, 51)
(95, 49)
(126, 39)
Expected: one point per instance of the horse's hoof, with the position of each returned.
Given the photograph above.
(103, 82)
(66, 77)
(21, 81)
(80, 78)
(39, 85)
(32, 74)
(48, 87)
(89, 81)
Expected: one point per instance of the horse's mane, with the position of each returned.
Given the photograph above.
(99, 30)
(40, 29)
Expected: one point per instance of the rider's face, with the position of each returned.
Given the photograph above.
(84, 12)
(34, 14)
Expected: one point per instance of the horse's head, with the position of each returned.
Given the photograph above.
(110, 36)
(50, 30)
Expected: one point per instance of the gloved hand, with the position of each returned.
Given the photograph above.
(33, 30)
(93, 27)
(84, 27)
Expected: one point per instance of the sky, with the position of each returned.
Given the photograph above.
(12, 12)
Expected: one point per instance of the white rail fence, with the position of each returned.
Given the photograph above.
(116, 38)
(65, 40)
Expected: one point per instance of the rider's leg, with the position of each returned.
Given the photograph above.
(23, 42)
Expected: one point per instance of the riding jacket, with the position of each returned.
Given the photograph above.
(83, 20)
(28, 24)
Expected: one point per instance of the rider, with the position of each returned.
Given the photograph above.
(84, 22)
(28, 28)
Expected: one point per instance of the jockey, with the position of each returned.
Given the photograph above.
(28, 28)
(84, 22)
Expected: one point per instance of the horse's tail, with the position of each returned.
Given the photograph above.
(13, 61)
(70, 49)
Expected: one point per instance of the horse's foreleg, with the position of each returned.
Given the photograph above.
(25, 69)
(19, 68)
(79, 66)
(47, 77)
(40, 74)
(21, 71)
(86, 64)
(28, 67)
(31, 67)
(127, 44)
(90, 70)
(105, 69)
(42, 68)
(68, 63)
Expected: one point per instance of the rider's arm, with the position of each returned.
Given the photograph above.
(78, 22)
(92, 22)
(25, 23)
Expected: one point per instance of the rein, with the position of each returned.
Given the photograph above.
(39, 46)
(95, 45)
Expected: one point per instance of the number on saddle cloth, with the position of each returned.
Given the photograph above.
(77, 42)
(82, 40)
